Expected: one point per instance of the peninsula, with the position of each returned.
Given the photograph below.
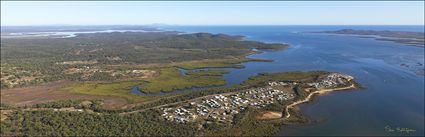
(257, 107)
(408, 38)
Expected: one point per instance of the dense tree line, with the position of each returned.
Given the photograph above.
(147, 123)
(79, 104)
(50, 123)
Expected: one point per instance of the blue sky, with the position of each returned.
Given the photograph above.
(212, 13)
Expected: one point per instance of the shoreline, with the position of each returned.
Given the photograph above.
(309, 97)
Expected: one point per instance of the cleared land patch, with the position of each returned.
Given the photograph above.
(50, 92)
(270, 115)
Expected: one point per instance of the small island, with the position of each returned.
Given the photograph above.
(408, 38)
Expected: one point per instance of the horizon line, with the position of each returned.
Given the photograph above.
(40, 25)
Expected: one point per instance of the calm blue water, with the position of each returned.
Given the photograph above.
(394, 95)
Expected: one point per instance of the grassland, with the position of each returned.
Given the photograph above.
(225, 63)
(208, 72)
(217, 63)
(118, 89)
(170, 79)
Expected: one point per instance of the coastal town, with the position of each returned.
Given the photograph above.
(222, 108)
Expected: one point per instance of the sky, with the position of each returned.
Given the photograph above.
(212, 13)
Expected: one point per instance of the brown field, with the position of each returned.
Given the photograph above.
(4, 114)
(49, 92)
(79, 62)
(270, 115)
(283, 88)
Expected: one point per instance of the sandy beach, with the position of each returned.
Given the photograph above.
(308, 98)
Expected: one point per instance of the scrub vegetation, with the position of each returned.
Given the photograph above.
(290, 76)
(208, 72)
(170, 79)
(99, 56)
(118, 89)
